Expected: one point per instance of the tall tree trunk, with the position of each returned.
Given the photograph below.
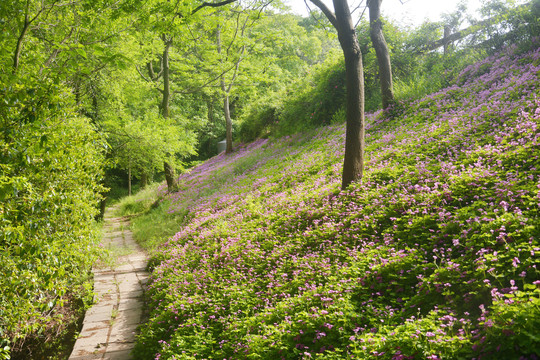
(226, 105)
(353, 164)
(77, 90)
(18, 49)
(447, 44)
(210, 106)
(228, 122)
(381, 49)
(102, 208)
(170, 175)
(165, 107)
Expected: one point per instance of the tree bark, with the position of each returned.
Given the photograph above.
(532, 6)
(210, 106)
(165, 107)
(226, 105)
(228, 122)
(381, 50)
(102, 208)
(18, 48)
(447, 45)
(353, 163)
(170, 175)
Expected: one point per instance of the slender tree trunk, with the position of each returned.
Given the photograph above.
(77, 89)
(102, 208)
(95, 107)
(18, 48)
(228, 122)
(226, 105)
(129, 179)
(381, 49)
(170, 175)
(165, 107)
(353, 164)
(144, 179)
(210, 106)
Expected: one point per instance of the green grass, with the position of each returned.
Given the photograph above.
(156, 226)
(150, 224)
(138, 203)
(417, 85)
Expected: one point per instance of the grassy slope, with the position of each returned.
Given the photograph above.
(432, 256)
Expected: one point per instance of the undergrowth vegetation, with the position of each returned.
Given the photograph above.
(433, 256)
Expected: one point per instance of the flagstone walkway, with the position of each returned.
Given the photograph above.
(110, 325)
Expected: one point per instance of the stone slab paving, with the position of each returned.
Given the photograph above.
(110, 325)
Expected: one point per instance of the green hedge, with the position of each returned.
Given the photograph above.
(50, 170)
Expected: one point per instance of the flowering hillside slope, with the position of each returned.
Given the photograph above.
(433, 256)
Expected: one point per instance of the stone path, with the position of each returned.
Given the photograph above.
(110, 325)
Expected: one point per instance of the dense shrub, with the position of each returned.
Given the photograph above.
(433, 256)
(316, 104)
(51, 166)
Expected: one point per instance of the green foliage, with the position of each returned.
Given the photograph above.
(432, 73)
(152, 223)
(259, 122)
(140, 138)
(51, 168)
(75, 86)
(290, 56)
(307, 104)
(514, 25)
(49, 185)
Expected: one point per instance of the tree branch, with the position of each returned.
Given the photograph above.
(236, 69)
(214, 5)
(151, 72)
(56, 51)
(142, 75)
(471, 29)
(457, 35)
(326, 11)
(199, 88)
